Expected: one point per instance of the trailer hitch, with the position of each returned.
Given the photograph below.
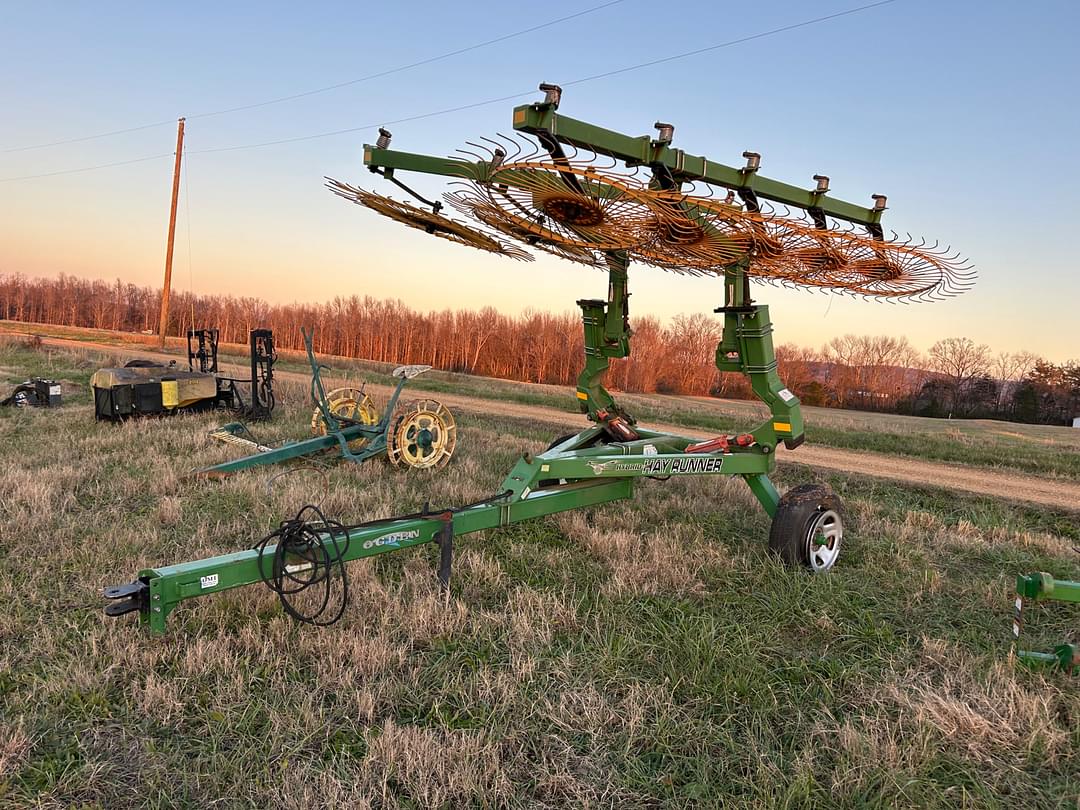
(127, 598)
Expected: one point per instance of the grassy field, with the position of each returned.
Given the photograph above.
(1045, 450)
(643, 654)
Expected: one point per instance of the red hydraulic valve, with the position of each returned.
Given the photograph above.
(721, 443)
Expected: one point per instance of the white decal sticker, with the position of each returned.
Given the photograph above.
(392, 539)
(209, 581)
(786, 395)
(615, 465)
(649, 450)
(683, 466)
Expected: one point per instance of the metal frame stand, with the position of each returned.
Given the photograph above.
(340, 432)
(1044, 588)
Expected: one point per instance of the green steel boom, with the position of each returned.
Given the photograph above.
(542, 120)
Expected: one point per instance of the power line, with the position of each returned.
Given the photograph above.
(729, 43)
(327, 88)
(420, 63)
(88, 137)
(446, 111)
(462, 107)
(87, 168)
(594, 77)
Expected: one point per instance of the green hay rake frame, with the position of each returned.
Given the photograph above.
(601, 463)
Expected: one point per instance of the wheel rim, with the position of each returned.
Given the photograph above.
(823, 540)
(424, 437)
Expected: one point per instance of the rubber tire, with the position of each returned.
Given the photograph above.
(798, 509)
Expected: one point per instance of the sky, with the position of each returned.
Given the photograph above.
(966, 114)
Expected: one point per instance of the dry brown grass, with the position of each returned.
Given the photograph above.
(642, 654)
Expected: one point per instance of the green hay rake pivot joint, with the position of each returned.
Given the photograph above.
(1042, 587)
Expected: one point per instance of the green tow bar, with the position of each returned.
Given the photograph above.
(1044, 588)
(579, 472)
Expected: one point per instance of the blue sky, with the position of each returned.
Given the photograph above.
(965, 114)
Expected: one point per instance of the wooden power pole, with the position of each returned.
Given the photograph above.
(172, 232)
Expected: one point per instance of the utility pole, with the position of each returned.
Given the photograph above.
(172, 232)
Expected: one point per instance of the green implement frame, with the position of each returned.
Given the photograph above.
(601, 463)
(1044, 588)
(340, 432)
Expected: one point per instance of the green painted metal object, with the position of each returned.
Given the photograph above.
(1043, 587)
(595, 466)
(357, 440)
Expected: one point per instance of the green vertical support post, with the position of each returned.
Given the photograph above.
(607, 335)
(764, 491)
(747, 347)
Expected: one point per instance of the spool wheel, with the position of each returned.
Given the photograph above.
(347, 403)
(423, 436)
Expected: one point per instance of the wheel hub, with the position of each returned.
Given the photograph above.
(823, 540)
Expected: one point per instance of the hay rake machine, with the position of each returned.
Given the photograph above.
(420, 434)
(555, 187)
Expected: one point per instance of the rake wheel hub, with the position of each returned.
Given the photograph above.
(579, 212)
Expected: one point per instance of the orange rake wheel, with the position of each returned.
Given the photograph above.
(570, 206)
(694, 239)
(478, 207)
(427, 221)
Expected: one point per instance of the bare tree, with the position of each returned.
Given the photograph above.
(1010, 368)
(959, 360)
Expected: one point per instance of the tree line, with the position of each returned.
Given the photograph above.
(957, 377)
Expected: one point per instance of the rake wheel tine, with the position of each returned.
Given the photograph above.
(481, 147)
(493, 145)
(470, 153)
(513, 146)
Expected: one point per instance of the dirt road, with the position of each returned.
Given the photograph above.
(980, 481)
